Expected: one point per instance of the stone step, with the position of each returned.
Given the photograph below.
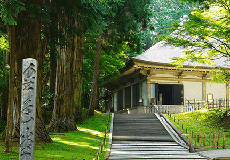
(152, 134)
(152, 156)
(144, 143)
(139, 131)
(142, 136)
(157, 129)
(139, 127)
(170, 152)
(148, 127)
(154, 159)
(146, 123)
(137, 121)
(131, 116)
(147, 149)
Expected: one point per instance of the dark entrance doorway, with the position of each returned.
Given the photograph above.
(172, 94)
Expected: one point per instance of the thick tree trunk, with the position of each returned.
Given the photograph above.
(53, 52)
(9, 128)
(63, 114)
(41, 135)
(28, 43)
(93, 99)
(5, 92)
(78, 71)
(53, 67)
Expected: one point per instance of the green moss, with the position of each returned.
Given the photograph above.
(202, 121)
(81, 144)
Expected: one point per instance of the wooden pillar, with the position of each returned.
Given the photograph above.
(124, 99)
(140, 86)
(148, 94)
(112, 101)
(204, 90)
(115, 101)
(227, 92)
(131, 105)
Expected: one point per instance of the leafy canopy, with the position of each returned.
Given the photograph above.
(205, 37)
(166, 12)
(4, 45)
(9, 10)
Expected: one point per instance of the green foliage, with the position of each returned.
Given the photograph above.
(9, 10)
(205, 36)
(4, 44)
(4, 69)
(2, 126)
(166, 12)
(215, 117)
(81, 144)
(220, 75)
(204, 121)
(120, 25)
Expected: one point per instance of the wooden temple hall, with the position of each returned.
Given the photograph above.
(150, 78)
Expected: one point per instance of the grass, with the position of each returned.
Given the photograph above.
(202, 121)
(78, 145)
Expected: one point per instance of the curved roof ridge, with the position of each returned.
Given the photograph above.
(163, 53)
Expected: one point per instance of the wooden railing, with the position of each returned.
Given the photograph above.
(207, 140)
(101, 148)
(175, 109)
(209, 103)
(172, 109)
(190, 106)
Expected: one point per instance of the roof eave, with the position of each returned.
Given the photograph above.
(171, 65)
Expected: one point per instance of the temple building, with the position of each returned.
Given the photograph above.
(150, 78)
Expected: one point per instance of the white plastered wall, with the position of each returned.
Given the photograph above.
(115, 101)
(153, 89)
(192, 90)
(144, 93)
(217, 89)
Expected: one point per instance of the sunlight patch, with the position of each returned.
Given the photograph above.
(100, 134)
(76, 144)
(204, 110)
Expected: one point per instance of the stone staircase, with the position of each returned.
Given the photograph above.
(142, 136)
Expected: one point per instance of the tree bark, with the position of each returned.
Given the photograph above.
(53, 52)
(5, 92)
(63, 113)
(9, 128)
(78, 71)
(29, 45)
(93, 99)
(53, 67)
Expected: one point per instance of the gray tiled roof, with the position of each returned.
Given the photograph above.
(163, 53)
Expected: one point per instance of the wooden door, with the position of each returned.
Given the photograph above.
(178, 94)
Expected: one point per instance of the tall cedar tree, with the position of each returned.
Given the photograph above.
(4, 76)
(94, 93)
(29, 44)
(63, 114)
(68, 90)
(9, 128)
(133, 16)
